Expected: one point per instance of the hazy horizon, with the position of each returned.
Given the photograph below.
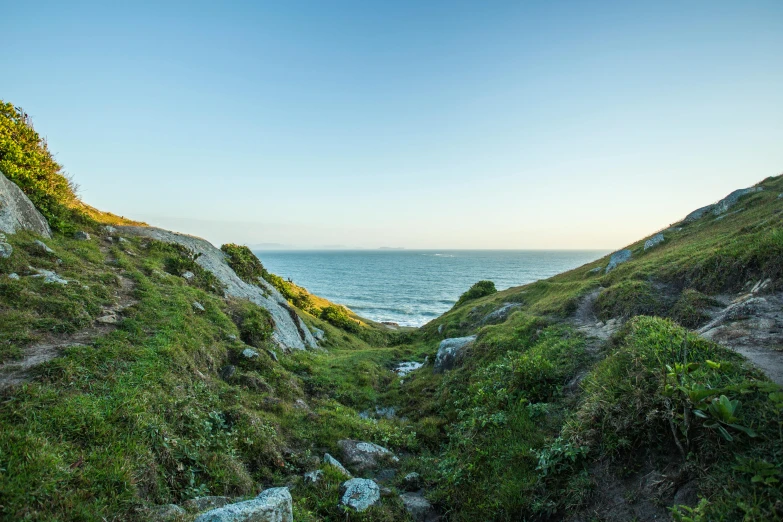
(535, 125)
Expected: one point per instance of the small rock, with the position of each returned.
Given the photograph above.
(387, 492)
(272, 505)
(440, 328)
(59, 262)
(363, 456)
(82, 236)
(109, 229)
(448, 351)
(359, 494)
(166, 512)
(405, 368)
(122, 240)
(249, 353)
(328, 459)
(227, 371)
(302, 405)
(272, 355)
(780, 196)
(318, 334)
(231, 337)
(418, 507)
(386, 475)
(311, 477)
(198, 307)
(49, 276)
(617, 258)
(108, 319)
(596, 270)
(14, 276)
(197, 505)
(656, 240)
(6, 250)
(188, 275)
(412, 481)
(43, 247)
(501, 313)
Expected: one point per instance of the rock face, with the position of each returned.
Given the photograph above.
(419, 507)
(359, 494)
(272, 505)
(290, 332)
(619, 257)
(328, 459)
(654, 241)
(448, 350)
(501, 314)
(203, 503)
(364, 456)
(722, 206)
(17, 212)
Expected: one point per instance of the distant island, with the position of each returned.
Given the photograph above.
(391, 248)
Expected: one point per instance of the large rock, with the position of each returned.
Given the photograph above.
(331, 461)
(363, 456)
(501, 314)
(619, 257)
(272, 505)
(449, 350)
(419, 507)
(165, 513)
(722, 206)
(359, 494)
(197, 505)
(290, 331)
(654, 241)
(17, 212)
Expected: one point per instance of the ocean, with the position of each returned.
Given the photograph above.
(412, 287)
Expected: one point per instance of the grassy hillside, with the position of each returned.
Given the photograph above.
(541, 419)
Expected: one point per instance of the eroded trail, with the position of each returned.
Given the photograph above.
(18, 371)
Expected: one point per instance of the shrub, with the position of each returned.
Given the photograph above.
(244, 262)
(26, 160)
(480, 289)
(338, 316)
(254, 323)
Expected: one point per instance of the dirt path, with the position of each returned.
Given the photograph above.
(17, 371)
(585, 320)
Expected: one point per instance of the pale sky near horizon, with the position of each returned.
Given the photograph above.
(403, 124)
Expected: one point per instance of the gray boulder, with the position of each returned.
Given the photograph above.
(363, 456)
(6, 250)
(318, 334)
(272, 505)
(359, 494)
(500, 314)
(165, 513)
(43, 247)
(412, 481)
(82, 236)
(188, 275)
(619, 257)
(722, 206)
(17, 212)
(449, 350)
(249, 353)
(290, 331)
(197, 505)
(111, 230)
(654, 241)
(49, 276)
(418, 507)
(14, 276)
(331, 461)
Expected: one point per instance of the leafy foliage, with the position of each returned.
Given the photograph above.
(480, 289)
(338, 316)
(26, 160)
(244, 262)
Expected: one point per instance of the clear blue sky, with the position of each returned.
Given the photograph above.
(414, 124)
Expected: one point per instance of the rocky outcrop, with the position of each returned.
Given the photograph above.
(419, 508)
(17, 212)
(364, 456)
(501, 314)
(448, 352)
(654, 241)
(272, 505)
(359, 494)
(290, 331)
(331, 461)
(722, 206)
(619, 257)
(197, 505)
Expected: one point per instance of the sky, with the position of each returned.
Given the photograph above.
(499, 125)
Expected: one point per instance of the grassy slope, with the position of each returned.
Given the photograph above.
(142, 417)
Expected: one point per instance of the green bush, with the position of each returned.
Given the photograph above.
(254, 323)
(480, 289)
(244, 262)
(338, 316)
(26, 160)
